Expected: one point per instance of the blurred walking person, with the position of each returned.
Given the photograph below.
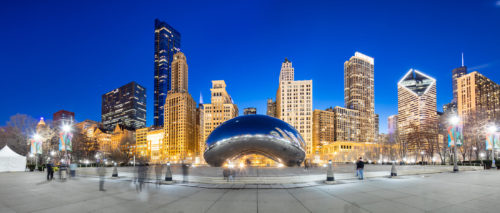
(158, 171)
(185, 172)
(102, 172)
(141, 176)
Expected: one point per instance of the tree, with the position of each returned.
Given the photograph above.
(19, 128)
(14, 139)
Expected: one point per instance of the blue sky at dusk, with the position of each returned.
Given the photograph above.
(65, 54)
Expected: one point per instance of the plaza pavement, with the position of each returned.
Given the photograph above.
(290, 177)
(472, 191)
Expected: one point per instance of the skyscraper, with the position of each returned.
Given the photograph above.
(294, 103)
(478, 100)
(359, 92)
(219, 110)
(126, 106)
(167, 43)
(416, 109)
(457, 73)
(180, 115)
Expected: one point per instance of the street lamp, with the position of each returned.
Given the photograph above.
(481, 156)
(422, 153)
(454, 121)
(492, 129)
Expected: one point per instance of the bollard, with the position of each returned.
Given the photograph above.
(115, 172)
(168, 174)
(393, 170)
(329, 173)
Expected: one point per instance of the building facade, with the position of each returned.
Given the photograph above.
(294, 103)
(250, 111)
(478, 100)
(125, 106)
(323, 128)
(347, 124)
(392, 128)
(219, 110)
(359, 92)
(149, 142)
(63, 117)
(271, 108)
(417, 116)
(167, 43)
(179, 141)
(457, 73)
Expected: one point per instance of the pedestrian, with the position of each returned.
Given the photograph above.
(232, 174)
(102, 172)
(50, 171)
(225, 173)
(185, 172)
(360, 165)
(158, 171)
(306, 165)
(142, 175)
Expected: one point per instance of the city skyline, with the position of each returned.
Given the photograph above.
(325, 68)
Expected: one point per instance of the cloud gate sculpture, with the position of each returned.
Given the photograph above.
(255, 134)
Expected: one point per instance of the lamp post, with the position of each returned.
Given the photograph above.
(492, 129)
(481, 156)
(422, 153)
(454, 121)
(37, 138)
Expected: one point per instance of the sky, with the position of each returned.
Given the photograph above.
(65, 54)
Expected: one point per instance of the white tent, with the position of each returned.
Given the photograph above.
(10, 161)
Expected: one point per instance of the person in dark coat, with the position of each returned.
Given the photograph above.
(50, 171)
(360, 165)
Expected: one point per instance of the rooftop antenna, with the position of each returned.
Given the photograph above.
(462, 59)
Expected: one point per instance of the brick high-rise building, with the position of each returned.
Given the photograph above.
(478, 100)
(323, 128)
(359, 92)
(180, 115)
(294, 103)
(219, 110)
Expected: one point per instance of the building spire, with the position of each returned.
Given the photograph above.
(201, 98)
(462, 59)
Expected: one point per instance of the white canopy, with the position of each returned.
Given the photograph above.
(10, 161)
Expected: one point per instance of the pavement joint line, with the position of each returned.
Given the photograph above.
(220, 197)
(180, 198)
(257, 199)
(305, 207)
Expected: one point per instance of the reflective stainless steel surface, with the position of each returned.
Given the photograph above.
(255, 134)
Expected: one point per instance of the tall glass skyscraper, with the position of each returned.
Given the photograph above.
(167, 43)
